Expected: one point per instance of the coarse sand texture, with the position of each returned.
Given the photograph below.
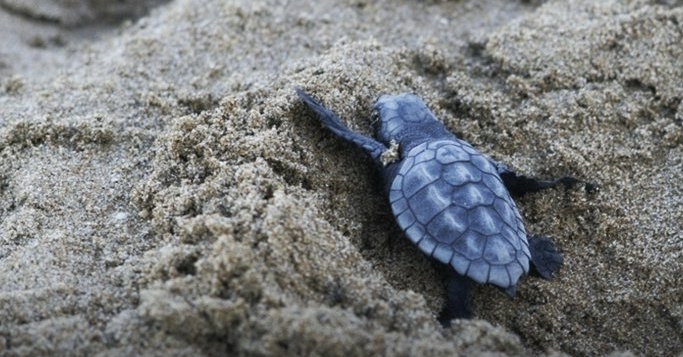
(164, 192)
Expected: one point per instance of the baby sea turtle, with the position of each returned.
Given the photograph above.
(450, 200)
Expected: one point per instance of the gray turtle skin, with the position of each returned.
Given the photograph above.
(450, 200)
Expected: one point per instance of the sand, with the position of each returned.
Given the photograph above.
(164, 193)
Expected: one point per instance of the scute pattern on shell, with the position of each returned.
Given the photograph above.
(450, 201)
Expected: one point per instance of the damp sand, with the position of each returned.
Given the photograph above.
(164, 192)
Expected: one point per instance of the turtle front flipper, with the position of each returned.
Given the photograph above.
(519, 184)
(545, 257)
(457, 300)
(331, 121)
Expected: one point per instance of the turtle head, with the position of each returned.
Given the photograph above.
(406, 119)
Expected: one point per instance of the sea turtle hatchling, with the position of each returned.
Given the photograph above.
(450, 200)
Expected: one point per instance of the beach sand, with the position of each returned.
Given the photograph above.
(163, 192)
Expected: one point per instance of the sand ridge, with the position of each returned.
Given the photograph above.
(163, 191)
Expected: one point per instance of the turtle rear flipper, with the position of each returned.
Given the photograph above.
(332, 122)
(457, 300)
(545, 258)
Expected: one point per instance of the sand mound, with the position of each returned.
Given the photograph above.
(163, 191)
